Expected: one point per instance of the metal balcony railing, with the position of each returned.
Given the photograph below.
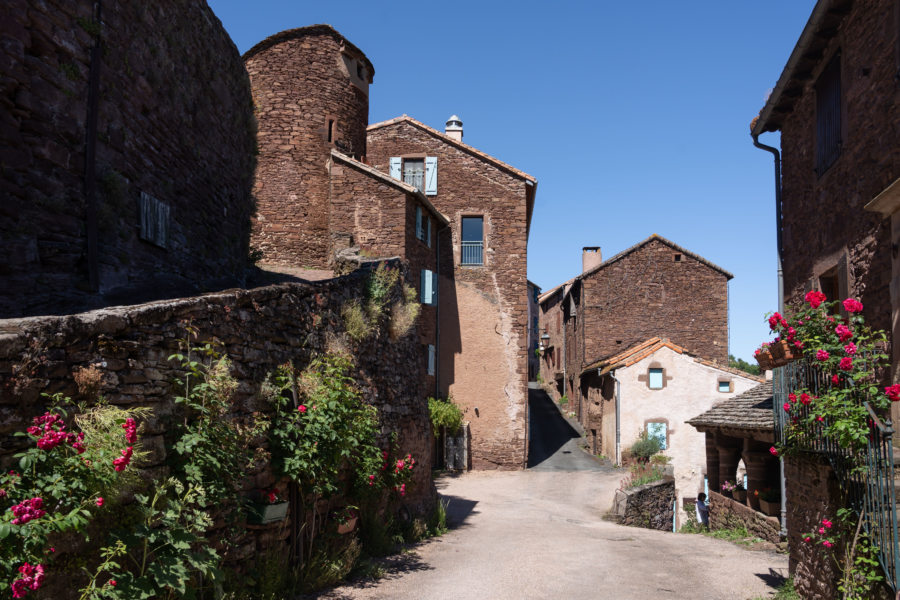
(472, 253)
(866, 476)
(415, 179)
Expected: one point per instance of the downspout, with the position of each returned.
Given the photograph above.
(618, 428)
(90, 155)
(780, 250)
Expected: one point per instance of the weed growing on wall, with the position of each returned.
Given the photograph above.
(356, 322)
(445, 414)
(404, 313)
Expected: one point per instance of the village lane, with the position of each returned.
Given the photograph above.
(540, 533)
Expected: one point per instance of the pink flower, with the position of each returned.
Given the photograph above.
(805, 398)
(852, 305)
(846, 363)
(843, 332)
(28, 510)
(787, 407)
(32, 579)
(99, 501)
(827, 523)
(773, 451)
(792, 397)
(821, 530)
(112, 582)
(827, 544)
(120, 463)
(850, 349)
(807, 539)
(820, 418)
(775, 320)
(130, 431)
(893, 392)
(302, 408)
(835, 380)
(822, 355)
(815, 298)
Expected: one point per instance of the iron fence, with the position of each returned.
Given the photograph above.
(472, 253)
(867, 477)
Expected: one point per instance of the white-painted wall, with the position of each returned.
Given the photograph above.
(691, 388)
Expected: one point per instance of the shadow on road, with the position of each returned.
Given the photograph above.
(774, 579)
(548, 430)
(458, 510)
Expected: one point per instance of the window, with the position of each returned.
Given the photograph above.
(154, 220)
(472, 241)
(534, 325)
(828, 115)
(535, 295)
(428, 287)
(725, 386)
(430, 358)
(421, 173)
(659, 430)
(655, 378)
(423, 226)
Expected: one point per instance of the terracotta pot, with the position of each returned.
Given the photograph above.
(739, 495)
(771, 508)
(783, 353)
(764, 360)
(348, 525)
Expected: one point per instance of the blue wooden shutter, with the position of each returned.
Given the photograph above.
(428, 231)
(431, 175)
(434, 288)
(428, 291)
(396, 164)
(431, 359)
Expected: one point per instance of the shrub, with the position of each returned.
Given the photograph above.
(404, 313)
(642, 474)
(355, 320)
(645, 447)
(445, 414)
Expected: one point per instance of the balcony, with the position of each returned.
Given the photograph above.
(472, 253)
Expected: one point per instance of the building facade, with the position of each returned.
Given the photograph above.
(482, 290)
(534, 335)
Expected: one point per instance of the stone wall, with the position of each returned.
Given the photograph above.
(484, 310)
(648, 506)
(649, 293)
(823, 215)
(174, 120)
(724, 512)
(258, 329)
(310, 90)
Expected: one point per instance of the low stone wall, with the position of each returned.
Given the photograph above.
(648, 506)
(724, 512)
(258, 329)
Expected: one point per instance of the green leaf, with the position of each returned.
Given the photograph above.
(4, 530)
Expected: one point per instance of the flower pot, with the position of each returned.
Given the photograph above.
(782, 353)
(739, 495)
(347, 526)
(770, 507)
(764, 360)
(260, 514)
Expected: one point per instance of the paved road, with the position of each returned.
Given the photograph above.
(540, 534)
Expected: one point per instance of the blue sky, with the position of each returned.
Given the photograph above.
(634, 117)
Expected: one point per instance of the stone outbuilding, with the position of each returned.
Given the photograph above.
(654, 387)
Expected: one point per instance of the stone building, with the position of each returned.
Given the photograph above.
(654, 387)
(534, 362)
(482, 290)
(315, 194)
(127, 154)
(836, 200)
(653, 289)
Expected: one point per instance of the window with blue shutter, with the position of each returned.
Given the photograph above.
(431, 175)
(396, 167)
(658, 430)
(428, 287)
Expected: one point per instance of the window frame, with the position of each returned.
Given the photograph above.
(662, 374)
(463, 242)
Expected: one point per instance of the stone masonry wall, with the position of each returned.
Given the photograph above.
(258, 329)
(648, 506)
(484, 310)
(823, 215)
(723, 512)
(302, 79)
(647, 294)
(174, 120)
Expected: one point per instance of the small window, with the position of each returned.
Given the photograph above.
(414, 172)
(677, 258)
(430, 358)
(658, 430)
(725, 386)
(655, 378)
(154, 220)
(828, 115)
(330, 130)
(472, 241)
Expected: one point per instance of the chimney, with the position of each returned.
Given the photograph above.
(590, 258)
(454, 128)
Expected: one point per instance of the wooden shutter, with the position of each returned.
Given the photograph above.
(434, 284)
(428, 231)
(431, 175)
(396, 165)
(419, 233)
(428, 285)
(431, 359)
(828, 115)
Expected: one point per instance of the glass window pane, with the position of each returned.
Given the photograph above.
(724, 386)
(472, 229)
(658, 431)
(656, 379)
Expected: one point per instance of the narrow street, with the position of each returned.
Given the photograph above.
(540, 533)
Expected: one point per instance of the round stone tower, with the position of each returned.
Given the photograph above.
(311, 94)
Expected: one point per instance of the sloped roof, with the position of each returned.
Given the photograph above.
(634, 354)
(322, 29)
(822, 25)
(750, 410)
(643, 243)
(449, 140)
(385, 178)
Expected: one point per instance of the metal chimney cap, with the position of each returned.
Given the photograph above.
(454, 122)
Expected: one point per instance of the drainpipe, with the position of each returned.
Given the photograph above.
(780, 250)
(618, 427)
(90, 155)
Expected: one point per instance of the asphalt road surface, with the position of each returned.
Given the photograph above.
(540, 533)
